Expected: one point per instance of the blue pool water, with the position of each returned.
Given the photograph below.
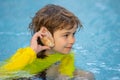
(97, 46)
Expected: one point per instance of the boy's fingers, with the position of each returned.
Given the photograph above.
(44, 47)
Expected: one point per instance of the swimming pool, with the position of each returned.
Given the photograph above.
(97, 45)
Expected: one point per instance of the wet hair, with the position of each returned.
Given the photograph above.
(53, 17)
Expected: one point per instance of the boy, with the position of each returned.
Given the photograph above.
(49, 55)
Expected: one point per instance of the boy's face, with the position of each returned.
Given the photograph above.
(64, 40)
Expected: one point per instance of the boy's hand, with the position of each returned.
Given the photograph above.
(34, 44)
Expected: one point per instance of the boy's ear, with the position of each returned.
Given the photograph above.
(43, 29)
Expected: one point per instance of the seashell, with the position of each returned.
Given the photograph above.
(47, 41)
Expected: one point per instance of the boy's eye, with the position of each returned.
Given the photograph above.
(74, 33)
(66, 35)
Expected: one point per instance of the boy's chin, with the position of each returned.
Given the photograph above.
(67, 52)
(63, 52)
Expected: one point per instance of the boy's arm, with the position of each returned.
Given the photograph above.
(20, 59)
(26, 55)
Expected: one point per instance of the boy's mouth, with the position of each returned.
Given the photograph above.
(69, 48)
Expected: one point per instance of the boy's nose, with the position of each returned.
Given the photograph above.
(72, 40)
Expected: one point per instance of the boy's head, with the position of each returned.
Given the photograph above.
(53, 17)
(61, 23)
